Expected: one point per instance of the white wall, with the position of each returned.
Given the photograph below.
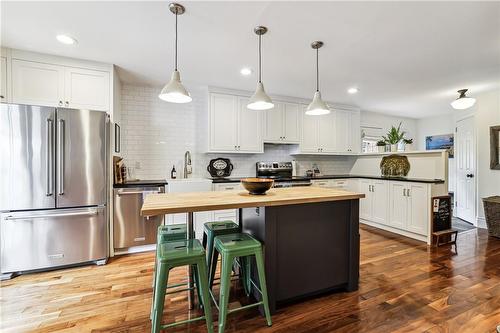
(487, 113)
(156, 134)
(435, 126)
(373, 119)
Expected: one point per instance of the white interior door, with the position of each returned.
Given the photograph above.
(465, 156)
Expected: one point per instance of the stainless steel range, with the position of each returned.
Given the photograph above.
(281, 172)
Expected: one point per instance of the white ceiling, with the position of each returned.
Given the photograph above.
(407, 58)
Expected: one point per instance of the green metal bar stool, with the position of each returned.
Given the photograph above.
(176, 254)
(243, 246)
(212, 230)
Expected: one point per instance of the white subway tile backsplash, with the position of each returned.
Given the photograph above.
(157, 133)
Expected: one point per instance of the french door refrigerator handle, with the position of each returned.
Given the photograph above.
(49, 157)
(60, 156)
(24, 217)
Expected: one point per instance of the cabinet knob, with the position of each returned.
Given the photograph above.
(1, 96)
(60, 103)
(67, 103)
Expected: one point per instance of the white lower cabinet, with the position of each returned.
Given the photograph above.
(409, 208)
(397, 206)
(226, 214)
(374, 206)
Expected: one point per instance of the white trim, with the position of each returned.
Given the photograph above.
(481, 222)
(397, 231)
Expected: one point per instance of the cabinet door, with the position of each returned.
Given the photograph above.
(223, 122)
(418, 208)
(355, 132)
(37, 83)
(86, 89)
(343, 131)
(365, 204)
(291, 123)
(3, 80)
(249, 128)
(327, 129)
(380, 201)
(273, 123)
(309, 136)
(398, 205)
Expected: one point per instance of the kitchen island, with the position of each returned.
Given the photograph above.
(310, 235)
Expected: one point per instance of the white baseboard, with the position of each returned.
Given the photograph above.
(481, 223)
(396, 231)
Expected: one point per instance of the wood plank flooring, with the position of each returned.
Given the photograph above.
(404, 287)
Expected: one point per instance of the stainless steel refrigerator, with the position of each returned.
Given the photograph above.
(53, 187)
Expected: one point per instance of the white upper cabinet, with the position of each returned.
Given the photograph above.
(348, 131)
(273, 124)
(54, 85)
(233, 127)
(249, 128)
(3, 79)
(318, 133)
(282, 123)
(86, 89)
(223, 123)
(37, 83)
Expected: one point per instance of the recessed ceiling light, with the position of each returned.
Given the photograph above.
(65, 39)
(352, 90)
(246, 71)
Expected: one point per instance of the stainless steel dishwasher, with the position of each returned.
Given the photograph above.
(130, 228)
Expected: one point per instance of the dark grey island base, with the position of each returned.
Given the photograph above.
(309, 249)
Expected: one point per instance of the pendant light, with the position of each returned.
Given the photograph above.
(317, 106)
(260, 100)
(174, 91)
(463, 102)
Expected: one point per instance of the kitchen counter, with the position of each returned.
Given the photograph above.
(343, 176)
(139, 183)
(310, 234)
(171, 203)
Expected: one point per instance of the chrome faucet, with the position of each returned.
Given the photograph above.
(188, 168)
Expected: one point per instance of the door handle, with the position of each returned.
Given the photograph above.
(87, 213)
(470, 175)
(60, 156)
(49, 157)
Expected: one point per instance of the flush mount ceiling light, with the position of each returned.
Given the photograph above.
(246, 71)
(65, 39)
(260, 100)
(317, 106)
(463, 102)
(352, 90)
(174, 91)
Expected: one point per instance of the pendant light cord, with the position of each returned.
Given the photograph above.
(317, 69)
(260, 58)
(175, 40)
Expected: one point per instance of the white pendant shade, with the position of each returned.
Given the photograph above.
(174, 91)
(260, 100)
(317, 107)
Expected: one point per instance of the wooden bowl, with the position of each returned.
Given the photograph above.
(257, 185)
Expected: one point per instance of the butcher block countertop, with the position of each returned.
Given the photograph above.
(171, 203)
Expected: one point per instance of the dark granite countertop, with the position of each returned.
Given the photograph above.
(343, 176)
(142, 182)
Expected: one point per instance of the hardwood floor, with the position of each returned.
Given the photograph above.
(404, 287)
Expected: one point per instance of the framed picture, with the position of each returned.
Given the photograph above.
(495, 147)
(118, 138)
(444, 141)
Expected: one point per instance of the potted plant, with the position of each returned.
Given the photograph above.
(408, 144)
(394, 136)
(381, 146)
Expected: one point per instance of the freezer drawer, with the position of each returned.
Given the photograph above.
(130, 228)
(50, 238)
